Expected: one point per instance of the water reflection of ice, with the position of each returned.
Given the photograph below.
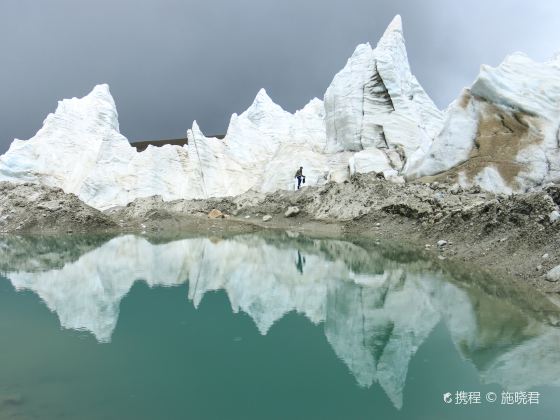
(377, 308)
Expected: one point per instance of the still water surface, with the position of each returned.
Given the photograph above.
(265, 326)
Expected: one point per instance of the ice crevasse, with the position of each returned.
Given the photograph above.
(375, 117)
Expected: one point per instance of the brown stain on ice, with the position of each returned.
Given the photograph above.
(501, 135)
(465, 99)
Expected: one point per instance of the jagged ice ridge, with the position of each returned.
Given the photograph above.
(502, 134)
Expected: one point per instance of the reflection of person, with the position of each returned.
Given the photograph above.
(300, 177)
(300, 262)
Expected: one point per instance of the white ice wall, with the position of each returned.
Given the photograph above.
(375, 117)
(81, 150)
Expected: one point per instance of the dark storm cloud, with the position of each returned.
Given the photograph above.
(171, 61)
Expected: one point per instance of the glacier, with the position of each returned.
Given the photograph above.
(502, 133)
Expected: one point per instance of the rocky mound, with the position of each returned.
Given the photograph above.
(365, 195)
(30, 207)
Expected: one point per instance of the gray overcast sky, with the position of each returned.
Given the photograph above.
(171, 61)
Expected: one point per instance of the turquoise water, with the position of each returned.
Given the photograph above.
(267, 326)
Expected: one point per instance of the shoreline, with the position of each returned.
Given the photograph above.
(511, 237)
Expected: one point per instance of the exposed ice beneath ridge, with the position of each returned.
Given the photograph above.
(502, 134)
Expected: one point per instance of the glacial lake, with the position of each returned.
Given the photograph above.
(264, 326)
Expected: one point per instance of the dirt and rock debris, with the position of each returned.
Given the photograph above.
(516, 236)
(37, 208)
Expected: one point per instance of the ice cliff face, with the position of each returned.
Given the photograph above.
(376, 105)
(66, 148)
(79, 149)
(502, 134)
(375, 117)
(262, 149)
(376, 312)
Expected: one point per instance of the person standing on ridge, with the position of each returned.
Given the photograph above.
(300, 177)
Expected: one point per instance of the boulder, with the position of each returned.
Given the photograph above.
(215, 214)
(49, 205)
(292, 211)
(553, 275)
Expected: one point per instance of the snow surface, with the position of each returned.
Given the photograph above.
(375, 117)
